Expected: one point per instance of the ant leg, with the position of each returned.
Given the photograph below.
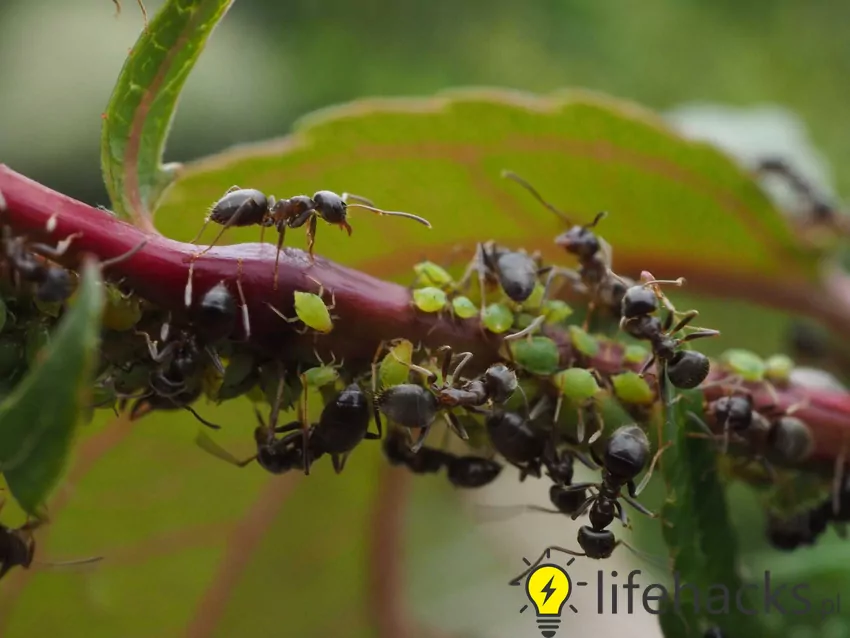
(578, 487)
(646, 366)
(421, 440)
(544, 555)
(687, 318)
(201, 419)
(447, 360)
(699, 334)
(597, 418)
(205, 442)
(311, 235)
(60, 249)
(246, 320)
(456, 425)
(621, 514)
(429, 375)
(305, 429)
(645, 481)
(465, 357)
(640, 508)
(584, 506)
(528, 330)
(339, 462)
(281, 234)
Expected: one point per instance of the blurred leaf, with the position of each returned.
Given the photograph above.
(442, 158)
(139, 114)
(697, 529)
(38, 419)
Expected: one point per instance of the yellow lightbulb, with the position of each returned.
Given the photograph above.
(548, 587)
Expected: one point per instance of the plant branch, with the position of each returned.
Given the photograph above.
(368, 310)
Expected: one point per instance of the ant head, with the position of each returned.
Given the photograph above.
(688, 368)
(501, 382)
(330, 206)
(638, 300)
(579, 241)
(596, 543)
(626, 452)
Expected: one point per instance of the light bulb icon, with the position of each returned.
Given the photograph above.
(548, 587)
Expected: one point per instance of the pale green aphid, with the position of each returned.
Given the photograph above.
(536, 297)
(747, 365)
(120, 312)
(631, 388)
(310, 310)
(537, 355)
(429, 299)
(778, 368)
(556, 311)
(320, 376)
(395, 367)
(497, 318)
(578, 386)
(635, 354)
(431, 275)
(464, 308)
(583, 342)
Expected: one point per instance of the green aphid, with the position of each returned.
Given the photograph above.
(583, 342)
(576, 384)
(577, 387)
(631, 388)
(430, 274)
(747, 365)
(120, 312)
(556, 311)
(497, 318)
(430, 299)
(395, 367)
(310, 309)
(635, 354)
(523, 320)
(537, 355)
(240, 375)
(778, 368)
(464, 308)
(322, 375)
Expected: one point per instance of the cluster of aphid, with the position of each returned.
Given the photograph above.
(531, 410)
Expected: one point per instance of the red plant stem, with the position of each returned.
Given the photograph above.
(368, 310)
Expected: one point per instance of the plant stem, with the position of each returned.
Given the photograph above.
(368, 310)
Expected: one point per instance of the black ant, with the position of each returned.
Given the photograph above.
(413, 406)
(426, 461)
(802, 528)
(216, 314)
(818, 211)
(772, 434)
(471, 471)
(53, 283)
(250, 207)
(17, 548)
(594, 276)
(516, 271)
(684, 368)
(343, 424)
(625, 457)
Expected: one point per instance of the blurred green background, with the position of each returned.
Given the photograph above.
(170, 539)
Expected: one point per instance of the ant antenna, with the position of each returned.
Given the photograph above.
(519, 180)
(390, 213)
(125, 256)
(69, 563)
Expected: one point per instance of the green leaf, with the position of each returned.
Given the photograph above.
(669, 198)
(139, 114)
(697, 529)
(37, 421)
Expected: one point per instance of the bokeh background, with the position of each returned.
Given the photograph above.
(776, 72)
